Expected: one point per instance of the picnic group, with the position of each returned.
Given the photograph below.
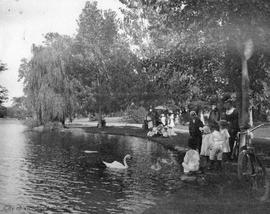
(211, 139)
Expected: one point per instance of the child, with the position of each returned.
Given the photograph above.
(171, 124)
(205, 152)
(163, 119)
(191, 161)
(216, 146)
(225, 134)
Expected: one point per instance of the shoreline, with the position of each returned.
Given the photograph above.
(176, 143)
(223, 182)
(117, 126)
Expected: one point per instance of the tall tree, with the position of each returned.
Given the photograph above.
(48, 89)
(239, 29)
(172, 61)
(103, 60)
(96, 35)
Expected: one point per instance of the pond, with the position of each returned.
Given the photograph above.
(51, 173)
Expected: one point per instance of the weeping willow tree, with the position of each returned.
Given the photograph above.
(50, 92)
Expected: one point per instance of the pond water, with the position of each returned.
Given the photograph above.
(50, 172)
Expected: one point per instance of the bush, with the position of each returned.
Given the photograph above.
(51, 126)
(136, 114)
(31, 123)
(3, 111)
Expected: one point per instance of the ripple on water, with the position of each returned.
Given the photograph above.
(52, 174)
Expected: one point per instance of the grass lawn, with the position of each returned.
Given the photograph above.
(118, 126)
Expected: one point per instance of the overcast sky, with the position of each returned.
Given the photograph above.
(24, 22)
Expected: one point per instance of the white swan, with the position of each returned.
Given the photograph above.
(117, 165)
(157, 165)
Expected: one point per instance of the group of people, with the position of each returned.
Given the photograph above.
(160, 124)
(211, 143)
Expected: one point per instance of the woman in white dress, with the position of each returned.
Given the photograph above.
(171, 124)
(223, 127)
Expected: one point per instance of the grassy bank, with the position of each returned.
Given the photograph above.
(118, 126)
(172, 143)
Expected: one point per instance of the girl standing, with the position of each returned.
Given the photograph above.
(223, 126)
(205, 152)
(216, 147)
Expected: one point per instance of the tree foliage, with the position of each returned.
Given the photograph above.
(3, 90)
(103, 60)
(47, 86)
(211, 35)
(178, 52)
(19, 108)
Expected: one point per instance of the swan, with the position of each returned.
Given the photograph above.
(117, 165)
(157, 165)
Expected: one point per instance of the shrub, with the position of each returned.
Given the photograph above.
(136, 114)
(31, 122)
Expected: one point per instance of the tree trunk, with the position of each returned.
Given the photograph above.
(99, 116)
(99, 101)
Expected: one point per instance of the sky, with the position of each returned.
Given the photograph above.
(24, 22)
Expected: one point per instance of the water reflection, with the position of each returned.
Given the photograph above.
(13, 167)
(50, 172)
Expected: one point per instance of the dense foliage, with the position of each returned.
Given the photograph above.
(215, 40)
(103, 61)
(50, 92)
(161, 52)
(3, 93)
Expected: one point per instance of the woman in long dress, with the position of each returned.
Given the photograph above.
(231, 116)
(171, 124)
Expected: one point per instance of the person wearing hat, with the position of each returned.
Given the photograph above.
(149, 119)
(163, 119)
(171, 123)
(194, 130)
(231, 116)
(214, 115)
